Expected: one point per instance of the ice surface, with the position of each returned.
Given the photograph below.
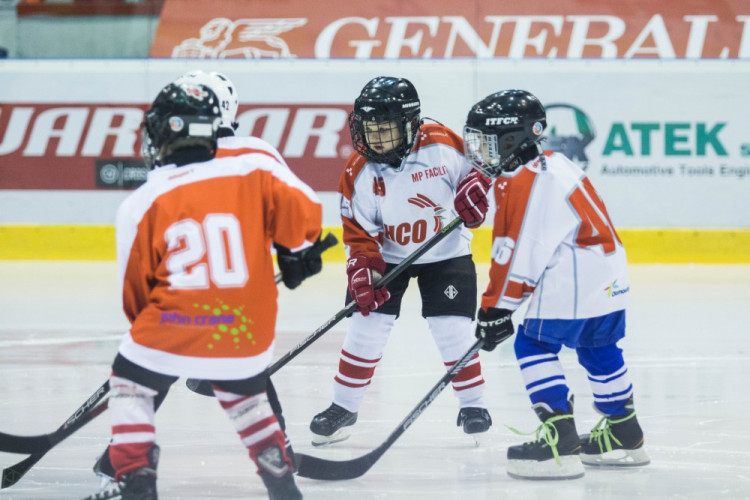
(688, 351)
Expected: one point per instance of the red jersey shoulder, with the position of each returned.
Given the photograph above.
(354, 165)
(434, 133)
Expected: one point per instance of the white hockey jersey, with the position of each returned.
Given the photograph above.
(390, 212)
(553, 240)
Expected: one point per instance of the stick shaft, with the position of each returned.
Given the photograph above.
(318, 468)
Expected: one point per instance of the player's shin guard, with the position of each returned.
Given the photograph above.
(453, 336)
(131, 407)
(256, 424)
(542, 371)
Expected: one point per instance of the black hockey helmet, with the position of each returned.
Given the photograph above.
(182, 115)
(503, 131)
(393, 104)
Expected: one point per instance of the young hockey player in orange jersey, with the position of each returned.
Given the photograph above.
(553, 241)
(295, 267)
(401, 184)
(198, 285)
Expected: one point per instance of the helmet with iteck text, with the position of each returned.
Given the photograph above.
(182, 115)
(500, 128)
(225, 91)
(385, 119)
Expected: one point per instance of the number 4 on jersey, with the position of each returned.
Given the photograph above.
(596, 228)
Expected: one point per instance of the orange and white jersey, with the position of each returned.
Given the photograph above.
(236, 146)
(390, 212)
(553, 240)
(195, 265)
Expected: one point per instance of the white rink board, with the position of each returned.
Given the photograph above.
(679, 157)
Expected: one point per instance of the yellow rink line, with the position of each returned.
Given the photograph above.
(644, 246)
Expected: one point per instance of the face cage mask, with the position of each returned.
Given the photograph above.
(149, 152)
(482, 152)
(392, 157)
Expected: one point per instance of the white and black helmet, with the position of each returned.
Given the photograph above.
(225, 91)
(501, 128)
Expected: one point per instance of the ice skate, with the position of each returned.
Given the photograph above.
(615, 441)
(140, 484)
(277, 475)
(554, 453)
(331, 425)
(475, 422)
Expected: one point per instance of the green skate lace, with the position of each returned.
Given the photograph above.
(546, 432)
(602, 433)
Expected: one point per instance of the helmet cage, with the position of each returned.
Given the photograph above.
(406, 125)
(492, 154)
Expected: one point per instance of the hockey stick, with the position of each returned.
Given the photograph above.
(42, 443)
(203, 387)
(335, 470)
(82, 416)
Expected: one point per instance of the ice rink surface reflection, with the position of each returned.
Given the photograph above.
(688, 351)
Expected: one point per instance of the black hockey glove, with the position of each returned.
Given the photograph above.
(295, 267)
(494, 326)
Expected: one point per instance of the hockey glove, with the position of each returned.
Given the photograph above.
(362, 272)
(295, 267)
(471, 199)
(494, 326)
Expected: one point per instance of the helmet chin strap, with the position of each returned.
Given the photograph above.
(524, 156)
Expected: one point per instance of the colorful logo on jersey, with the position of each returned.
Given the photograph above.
(176, 123)
(613, 290)
(569, 131)
(226, 324)
(424, 202)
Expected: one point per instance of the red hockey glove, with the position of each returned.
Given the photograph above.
(362, 272)
(494, 326)
(471, 199)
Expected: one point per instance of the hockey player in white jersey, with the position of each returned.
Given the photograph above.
(404, 180)
(554, 242)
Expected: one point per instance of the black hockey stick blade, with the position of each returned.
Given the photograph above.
(203, 387)
(14, 473)
(42, 443)
(337, 470)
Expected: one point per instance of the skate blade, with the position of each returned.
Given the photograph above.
(338, 436)
(570, 467)
(478, 438)
(617, 458)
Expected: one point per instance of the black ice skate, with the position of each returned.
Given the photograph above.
(554, 453)
(140, 484)
(277, 475)
(615, 441)
(474, 420)
(329, 426)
